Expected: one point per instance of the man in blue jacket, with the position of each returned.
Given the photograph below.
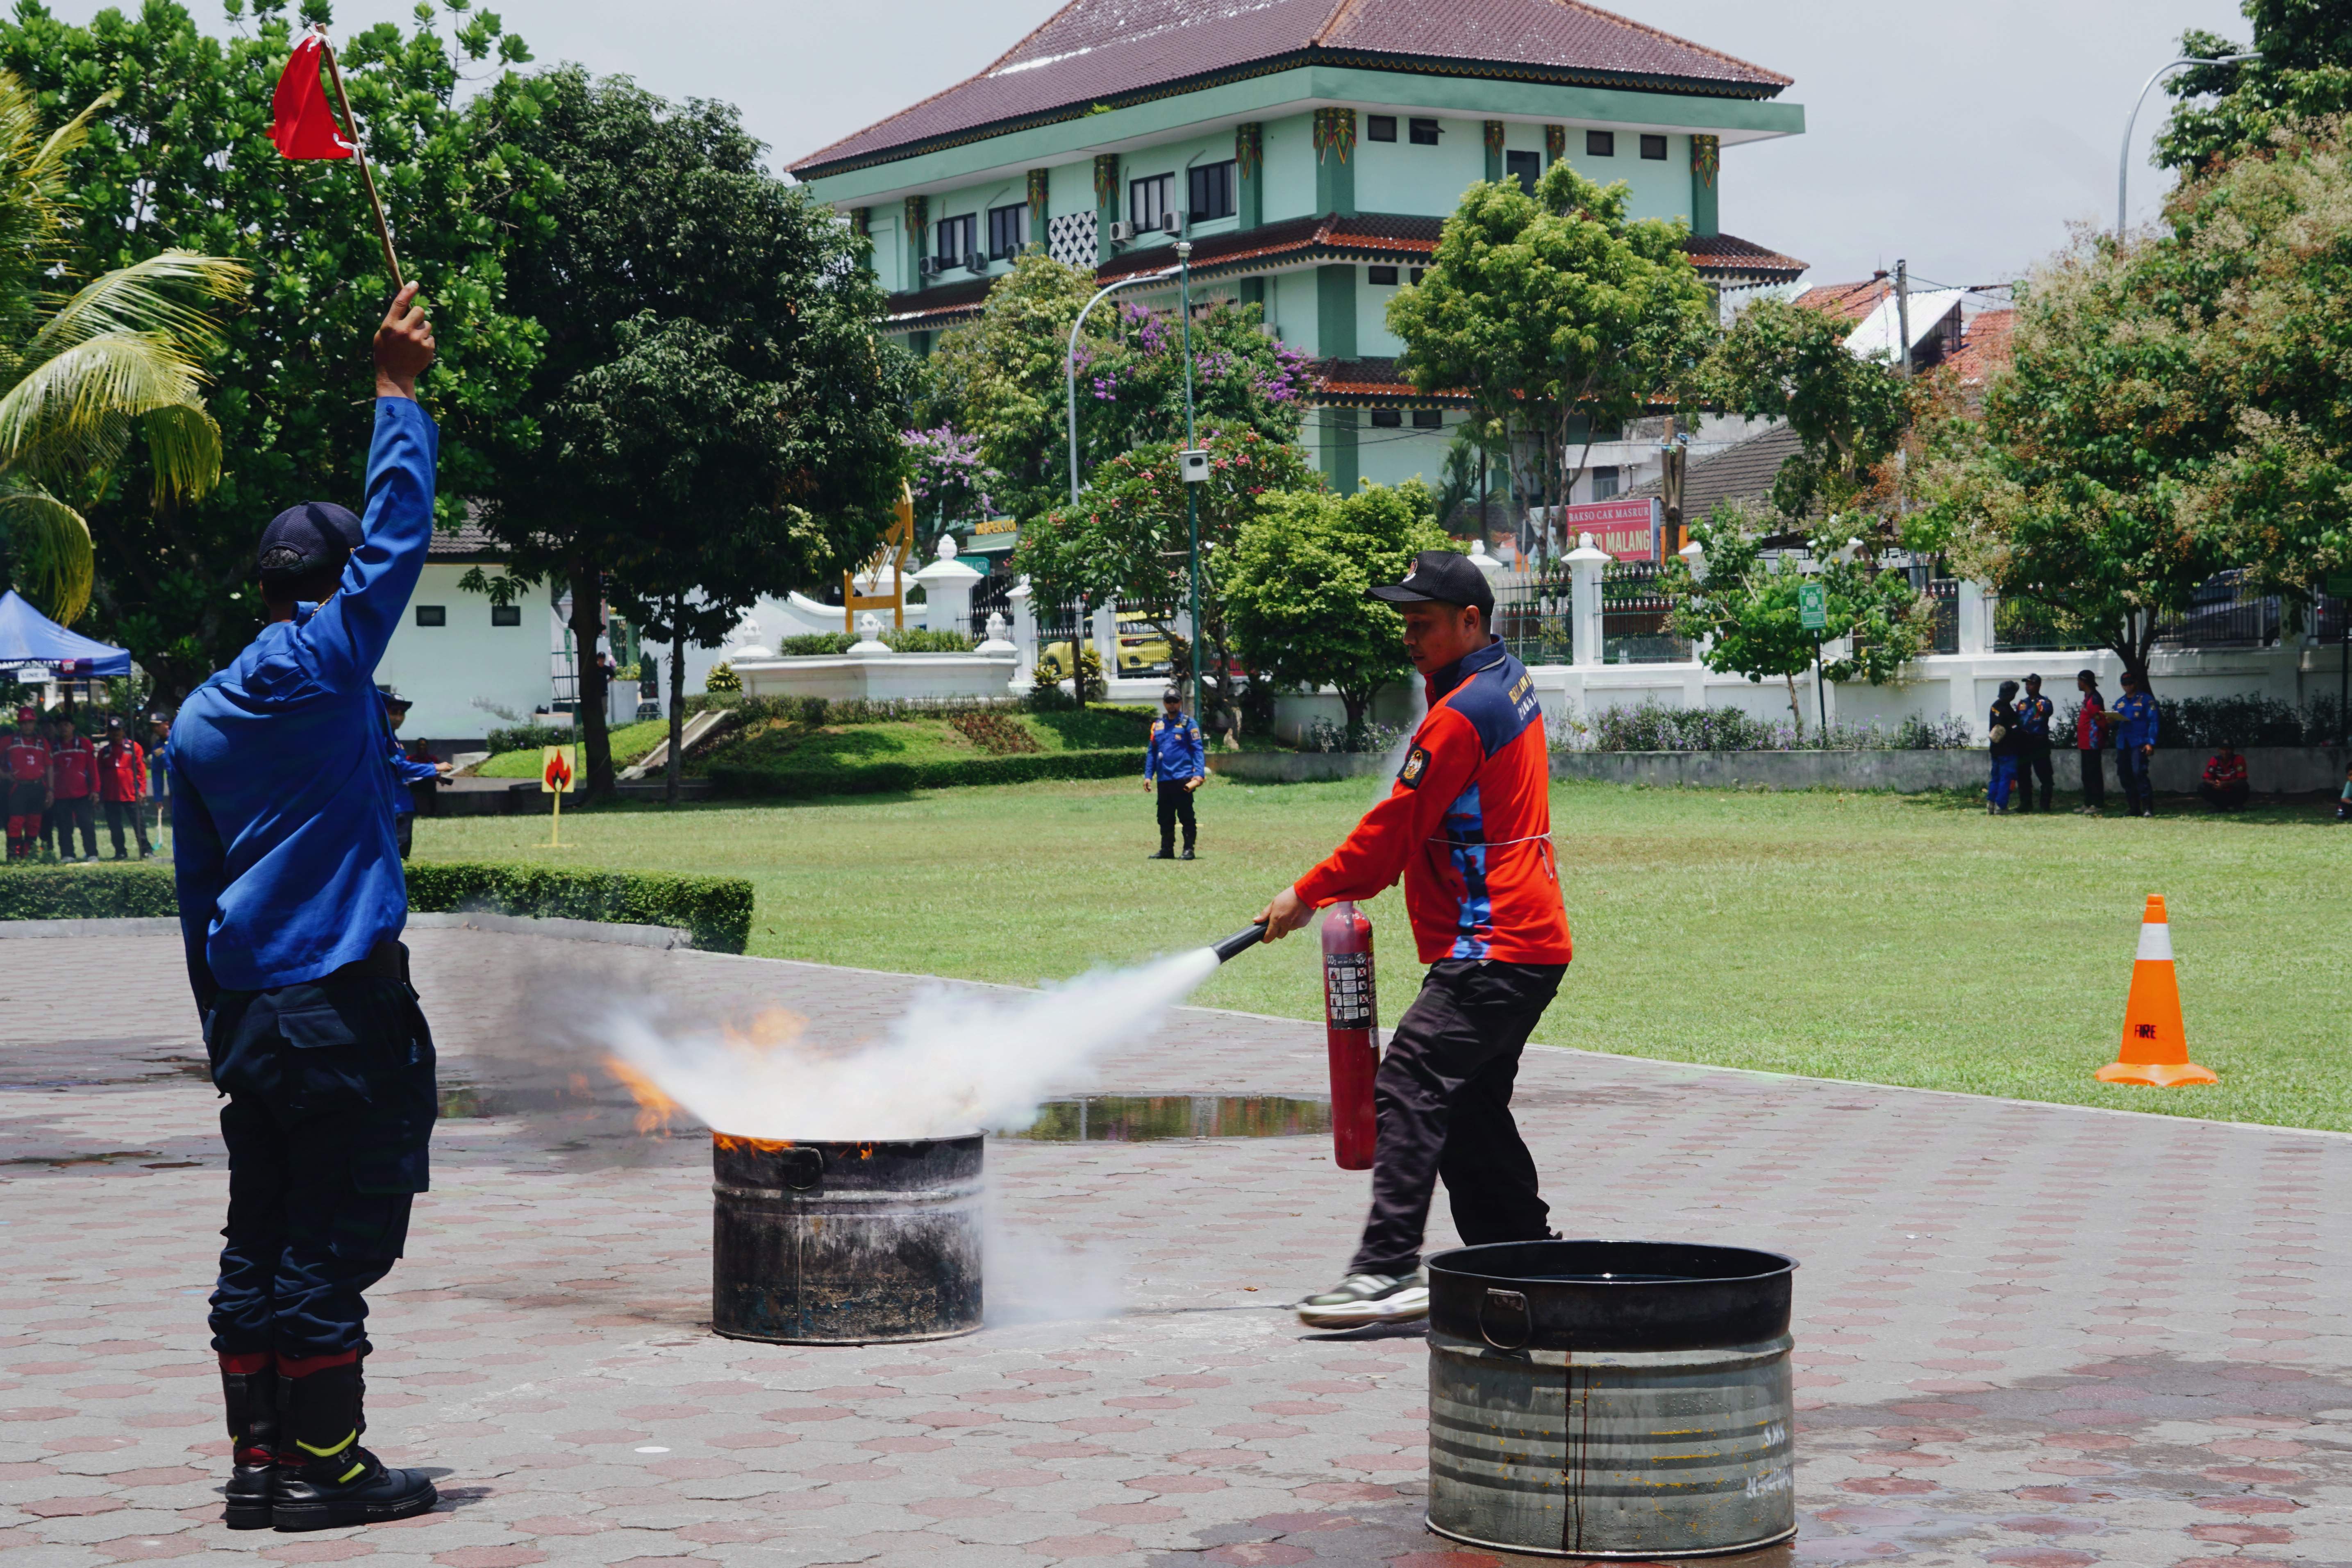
(2137, 718)
(291, 906)
(1175, 761)
(410, 777)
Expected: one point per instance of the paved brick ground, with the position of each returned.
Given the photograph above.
(2028, 1335)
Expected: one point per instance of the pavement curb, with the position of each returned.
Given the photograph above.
(666, 938)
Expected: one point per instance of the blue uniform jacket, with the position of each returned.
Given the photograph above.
(2135, 720)
(1174, 752)
(406, 770)
(285, 861)
(2033, 717)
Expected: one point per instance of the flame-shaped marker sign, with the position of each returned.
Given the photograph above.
(556, 770)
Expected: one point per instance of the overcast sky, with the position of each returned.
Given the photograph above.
(1963, 137)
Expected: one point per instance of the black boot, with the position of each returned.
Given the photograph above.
(325, 1478)
(251, 1398)
(1188, 853)
(1167, 852)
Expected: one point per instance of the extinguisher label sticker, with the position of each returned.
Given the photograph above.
(1348, 990)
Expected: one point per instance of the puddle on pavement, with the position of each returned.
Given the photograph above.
(1146, 1117)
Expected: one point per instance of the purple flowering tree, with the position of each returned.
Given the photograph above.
(949, 477)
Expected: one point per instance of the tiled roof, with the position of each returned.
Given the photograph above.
(1117, 51)
(1854, 301)
(1353, 383)
(1988, 345)
(1744, 472)
(1368, 237)
(1729, 254)
(466, 542)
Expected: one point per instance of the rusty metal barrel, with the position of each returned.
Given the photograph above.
(845, 1242)
(1626, 1399)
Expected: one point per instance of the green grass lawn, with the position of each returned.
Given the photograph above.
(782, 743)
(1906, 939)
(630, 743)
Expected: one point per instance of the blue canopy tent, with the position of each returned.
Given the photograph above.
(29, 636)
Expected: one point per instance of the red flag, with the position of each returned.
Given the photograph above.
(301, 122)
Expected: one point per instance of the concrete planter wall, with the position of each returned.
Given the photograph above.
(2280, 770)
(880, 674)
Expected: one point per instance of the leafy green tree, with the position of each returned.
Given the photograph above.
(182, 161)
(1128, 537)
(2226, 111)
(1294, 589)
(664, 243)
(1555, 313)
(1747, 605)
(1785, 362)
(120, 359)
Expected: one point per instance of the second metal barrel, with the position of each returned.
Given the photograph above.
(1610, 1398)
(845, 1242)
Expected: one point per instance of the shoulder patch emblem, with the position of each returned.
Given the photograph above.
(1416, 763)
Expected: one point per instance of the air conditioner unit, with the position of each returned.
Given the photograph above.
(975, 261)
(1120, 232)
(930, 266)
(1171, 223)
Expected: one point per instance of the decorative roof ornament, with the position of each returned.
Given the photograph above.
(1106, 178)
(1707, 157)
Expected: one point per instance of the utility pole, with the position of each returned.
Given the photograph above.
(1902, 311)
(1191, 480)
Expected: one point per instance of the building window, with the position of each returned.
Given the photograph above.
(506, 614)
(1601, 143)
(1148, 201)
(1388, 418)
(1422, 131)
(1604, 483)
(1419, 273)
(959, 237)
(1212, 191)
(1384, 275)
(1525, 167)
(1653, 148)
(1008, 231)
(1380, 127)
(431, 615)
(1429, 419)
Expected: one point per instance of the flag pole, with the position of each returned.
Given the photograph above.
(367, 177)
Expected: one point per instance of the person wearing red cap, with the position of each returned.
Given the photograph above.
(25, 773)
(1467, 824)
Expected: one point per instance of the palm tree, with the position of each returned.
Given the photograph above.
(85, 372)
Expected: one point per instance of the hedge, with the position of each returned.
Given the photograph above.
(716, 910)
(948, 773)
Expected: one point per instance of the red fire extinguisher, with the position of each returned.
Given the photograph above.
(1349, 1016)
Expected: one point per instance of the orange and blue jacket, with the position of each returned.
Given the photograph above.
(1467, 824)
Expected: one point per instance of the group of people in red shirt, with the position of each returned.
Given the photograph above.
(56, 781)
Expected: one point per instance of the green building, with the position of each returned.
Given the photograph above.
(1310, 149)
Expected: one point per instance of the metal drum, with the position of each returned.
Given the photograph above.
(845, 1242)
(1610, 1398)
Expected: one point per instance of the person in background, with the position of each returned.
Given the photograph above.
(2001, 726)
(2136, 720)
(409, 774)
(2090, 742)
(73, 788)
(122, 785)
(2225, 787)
(1175, 761)
(2034, 712)
(2343, 800)
(26, 780)
(158, 809)
(291, 906)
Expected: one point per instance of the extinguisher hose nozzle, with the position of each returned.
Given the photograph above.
(1241, 942)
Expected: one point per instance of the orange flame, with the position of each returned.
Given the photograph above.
(654, 1107)
(770, 1028)
(734, 1144)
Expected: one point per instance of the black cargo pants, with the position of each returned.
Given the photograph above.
(1175, 806)
(331, 1102)
(1442, 1103)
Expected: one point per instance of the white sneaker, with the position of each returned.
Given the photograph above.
(1362, 1300)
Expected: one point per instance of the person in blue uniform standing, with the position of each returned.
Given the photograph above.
(2033, 715)
(291, 905)
(1175, 762)
(409, 775)
(2138, 717)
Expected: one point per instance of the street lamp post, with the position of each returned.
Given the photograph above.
(2123, 164)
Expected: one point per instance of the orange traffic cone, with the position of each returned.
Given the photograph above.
(2156, 1047)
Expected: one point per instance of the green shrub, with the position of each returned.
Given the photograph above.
(890, 778)
(912, 639)
(716, 910)
(531, 737)
(86, 893)
(721, 680)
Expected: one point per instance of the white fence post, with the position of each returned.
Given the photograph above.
(1024, 636)
(1585, 565)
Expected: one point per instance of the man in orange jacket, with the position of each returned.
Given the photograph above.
(1468, 826)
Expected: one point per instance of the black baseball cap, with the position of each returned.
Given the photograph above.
(395, 700)
(304, 539)
(1440, 576)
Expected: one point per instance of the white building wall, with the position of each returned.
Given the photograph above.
(450, 672)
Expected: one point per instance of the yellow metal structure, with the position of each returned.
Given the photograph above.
(895, 546)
